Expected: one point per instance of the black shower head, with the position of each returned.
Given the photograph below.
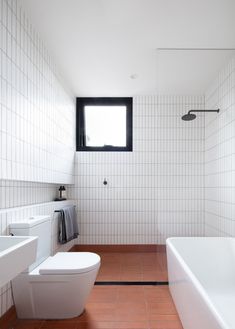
(188, 117)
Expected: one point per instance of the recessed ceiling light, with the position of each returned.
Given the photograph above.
(134, 76)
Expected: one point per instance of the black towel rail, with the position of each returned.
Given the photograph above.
(62, 209)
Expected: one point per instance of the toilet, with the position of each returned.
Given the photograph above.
(54, 287)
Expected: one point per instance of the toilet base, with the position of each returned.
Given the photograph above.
(52, 296)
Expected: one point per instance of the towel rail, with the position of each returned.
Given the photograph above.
(62, 209)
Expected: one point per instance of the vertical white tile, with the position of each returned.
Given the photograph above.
(154, 192)
(220, 155)
(37, 130)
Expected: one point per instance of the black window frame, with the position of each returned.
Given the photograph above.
(106, 101)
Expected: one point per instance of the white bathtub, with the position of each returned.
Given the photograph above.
(202, 281)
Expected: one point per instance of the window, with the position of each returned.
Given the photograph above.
(104, 124)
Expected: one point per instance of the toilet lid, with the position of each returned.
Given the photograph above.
(70, 263)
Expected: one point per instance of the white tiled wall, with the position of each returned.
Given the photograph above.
(155, 191)
(37, 118)
(220, 156)
(15, 214)
(16, 194)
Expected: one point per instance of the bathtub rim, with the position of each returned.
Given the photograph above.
(195, 281)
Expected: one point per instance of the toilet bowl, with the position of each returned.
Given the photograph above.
(58, 288)
(54, 287)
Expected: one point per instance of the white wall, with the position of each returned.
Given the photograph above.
(16, 194)
(155, 191)
(220, 155)
(37, 119)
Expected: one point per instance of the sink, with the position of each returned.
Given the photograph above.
(16, 254)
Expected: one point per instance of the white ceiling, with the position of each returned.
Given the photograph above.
(99, 44)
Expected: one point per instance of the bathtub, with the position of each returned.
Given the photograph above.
(202, 281)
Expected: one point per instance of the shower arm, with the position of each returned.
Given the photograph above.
(217, 111)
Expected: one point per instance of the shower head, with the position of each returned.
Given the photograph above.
(190, 116)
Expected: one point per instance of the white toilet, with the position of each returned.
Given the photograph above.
(53, 287)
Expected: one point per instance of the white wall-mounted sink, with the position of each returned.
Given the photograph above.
(16, 254)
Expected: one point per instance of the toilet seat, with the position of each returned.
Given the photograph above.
(68, 263)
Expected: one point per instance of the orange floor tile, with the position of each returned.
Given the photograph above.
(122, 307)
(133, 267)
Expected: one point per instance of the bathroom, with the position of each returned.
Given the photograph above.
(174, 182)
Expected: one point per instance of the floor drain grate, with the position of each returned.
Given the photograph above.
(131, 283)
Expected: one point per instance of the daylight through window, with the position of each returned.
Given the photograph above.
(104, 124)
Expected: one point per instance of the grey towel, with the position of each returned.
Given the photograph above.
(68, 226)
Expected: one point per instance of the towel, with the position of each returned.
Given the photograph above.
(68, 226)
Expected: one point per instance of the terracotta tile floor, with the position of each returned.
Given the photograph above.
(133, 267)
(122, 307)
